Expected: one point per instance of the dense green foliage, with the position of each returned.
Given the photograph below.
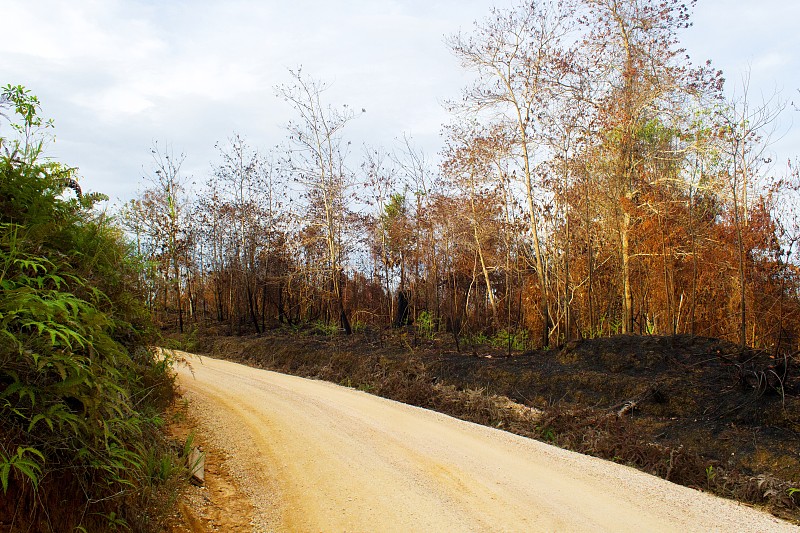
(80, 390)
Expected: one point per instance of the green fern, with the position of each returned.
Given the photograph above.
(78, 385)
(27, 461)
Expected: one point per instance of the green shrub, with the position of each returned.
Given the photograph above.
(426, 326)
(80, 391)
(516, 340)
(479, 339)
(323, 328)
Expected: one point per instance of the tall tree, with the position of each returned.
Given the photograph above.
(514, 52)
(244, 177)
(745, 133)
(422, 251)
(642, 69)
(161, 212)
(317, 158)
(469, 164)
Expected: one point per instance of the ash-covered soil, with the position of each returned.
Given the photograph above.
(741, 410)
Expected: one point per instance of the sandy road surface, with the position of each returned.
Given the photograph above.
(318, 457)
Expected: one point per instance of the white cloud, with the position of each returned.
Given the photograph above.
(122, 101)
(116, 74)
(772, 62)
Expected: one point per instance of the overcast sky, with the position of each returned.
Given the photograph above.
(118, 74)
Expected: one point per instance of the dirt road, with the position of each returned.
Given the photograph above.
(313, 456)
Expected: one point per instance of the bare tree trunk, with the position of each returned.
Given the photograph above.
(544, 304)
(692, 231)
(627, 299)
(742, 283)
(590, 262)
(251, 308)
(178, 295)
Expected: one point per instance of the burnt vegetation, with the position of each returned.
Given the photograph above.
(604, 220)
(593, 181)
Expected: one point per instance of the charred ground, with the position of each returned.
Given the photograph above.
(697, 411)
